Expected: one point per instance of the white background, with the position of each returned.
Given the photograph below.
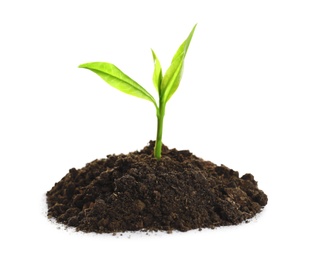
(244, 101)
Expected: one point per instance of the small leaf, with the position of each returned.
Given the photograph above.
(157, 74)
(117, 79)
(173, 75)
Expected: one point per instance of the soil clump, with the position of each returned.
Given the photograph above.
(138, 192)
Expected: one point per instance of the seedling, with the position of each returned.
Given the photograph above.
(165, 85)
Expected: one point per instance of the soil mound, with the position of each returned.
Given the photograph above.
(137, 192)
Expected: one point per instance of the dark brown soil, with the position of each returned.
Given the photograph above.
(137, 192)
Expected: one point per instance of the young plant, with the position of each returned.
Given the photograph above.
(165, 85)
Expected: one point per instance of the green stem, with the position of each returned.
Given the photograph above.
(160, 117)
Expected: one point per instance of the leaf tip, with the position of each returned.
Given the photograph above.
(153, 54)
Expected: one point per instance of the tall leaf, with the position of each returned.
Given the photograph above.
(117, 79)
(157, 74)
(173, 75)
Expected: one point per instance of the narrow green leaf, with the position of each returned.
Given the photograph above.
(157, 74)
(173, 75)
(117, 79)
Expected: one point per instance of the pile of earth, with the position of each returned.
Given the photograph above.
(138, 192)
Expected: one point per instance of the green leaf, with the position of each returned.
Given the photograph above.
(117, 79)
(173, 75)
(157, 74)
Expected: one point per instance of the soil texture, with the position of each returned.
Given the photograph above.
(138, 192)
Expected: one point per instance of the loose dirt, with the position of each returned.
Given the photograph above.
(137, 192)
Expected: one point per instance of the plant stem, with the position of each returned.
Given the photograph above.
(160, 117)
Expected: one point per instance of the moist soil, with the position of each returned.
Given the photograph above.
(138, 192)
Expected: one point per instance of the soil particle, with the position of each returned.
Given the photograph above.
(138, 192)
